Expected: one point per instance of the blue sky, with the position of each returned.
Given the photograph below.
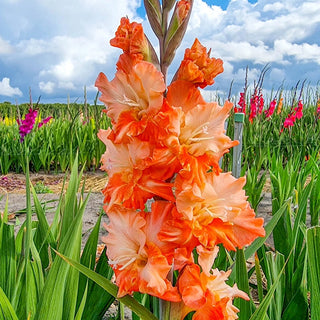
(55, 48)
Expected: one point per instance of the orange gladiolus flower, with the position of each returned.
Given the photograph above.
(138, 262)
(203, 140)
(219, 211)
(208, 295)
(202, 135)
(184, 94)
(183, 8)
(131, 39)
(280, 106)
(133, 177)
(165, 144)
(197, 66)
(202, 130)
(135, 93)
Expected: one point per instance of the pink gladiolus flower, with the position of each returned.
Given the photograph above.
(271, 109)
(318, 109)
(289, 122)
(260, 102)
(298, 110)
(292, 117)
(241, 104)
(254, 101)
(26, 125)
(44, 121)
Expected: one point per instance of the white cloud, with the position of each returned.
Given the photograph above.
(7, 90)
(304, 52)
(68, 48)
(273, 7)
(277, 75)
(47, 87)
(5, 47)
(68, 85)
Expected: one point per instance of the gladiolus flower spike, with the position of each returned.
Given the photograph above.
(26, 125)
(165, 144)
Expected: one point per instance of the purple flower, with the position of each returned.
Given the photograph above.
(44, 121)
(26, 125)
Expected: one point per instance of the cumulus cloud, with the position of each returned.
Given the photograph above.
(47, 87)
(304, 52)
(68, 85)
(5, 47)
(7, 90)
(66, 49)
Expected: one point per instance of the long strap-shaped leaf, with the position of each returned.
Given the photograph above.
(250, 250)
(6, 308)
(313, 243)
(107, 285)
(261, 311)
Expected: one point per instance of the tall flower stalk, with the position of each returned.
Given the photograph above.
(165, 144)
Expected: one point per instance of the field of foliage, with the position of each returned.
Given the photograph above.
(284, 275)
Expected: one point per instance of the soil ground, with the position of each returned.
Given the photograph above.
(12, 187)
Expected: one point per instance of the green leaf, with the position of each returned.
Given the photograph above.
(99, 300)
(43, 237)
(7, 254)
(57, 296)
(7, 311)
(297, 307)
(82, 305)
(313, 245)
(242, 282)
(274, 263)
(250, 250)
(259, 278)
(261, 311)
(70, 203)
(107, 285)
(88, 257)
(72, 281)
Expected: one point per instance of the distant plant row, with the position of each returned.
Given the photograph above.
(58, 132)
(272, 125)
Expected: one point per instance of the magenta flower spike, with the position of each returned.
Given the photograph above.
(44, 121)
(26, 125)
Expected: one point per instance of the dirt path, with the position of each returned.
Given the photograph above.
(17, 202)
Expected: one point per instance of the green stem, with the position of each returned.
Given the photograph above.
(165, 307)
(28, 235)
(163, 66)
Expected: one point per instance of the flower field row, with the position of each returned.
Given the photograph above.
(54, 144)
(74, 128)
